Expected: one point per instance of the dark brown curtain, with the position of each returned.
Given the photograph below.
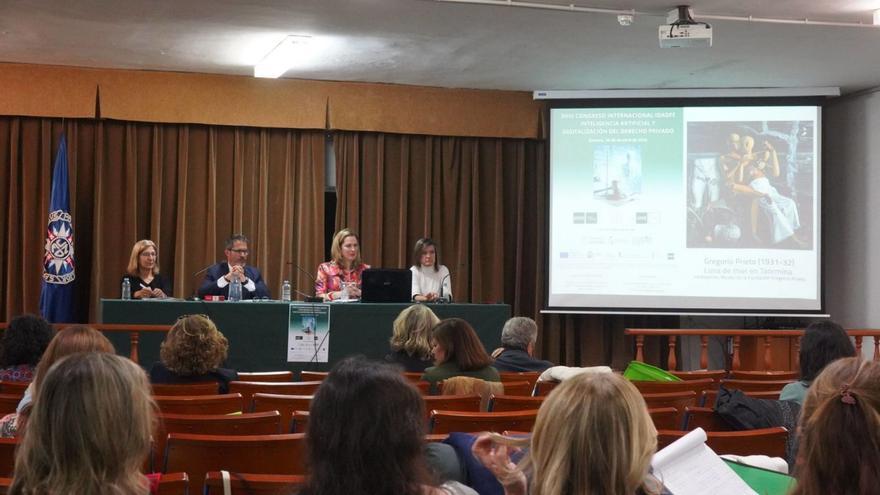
(484, 201)
(186, 187)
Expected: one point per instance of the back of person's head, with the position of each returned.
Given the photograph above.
(71, 340)
(839, 450)
(461, 343)
(25, 340)
(467, 385)
(411, 329)
(822, 343)
(366, 433)
(519, 332)
(593, 435)
(89, 429)
(193, 346)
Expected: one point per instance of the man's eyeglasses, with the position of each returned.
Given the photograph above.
(240, 251)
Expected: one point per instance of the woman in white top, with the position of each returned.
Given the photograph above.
(430, 280)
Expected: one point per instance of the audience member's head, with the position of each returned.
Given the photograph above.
(839, 449)
(822, 343)
(593, 434)
(454, 340)
(411, 329)
(193, 346)
(24, 341)
(366, 433)
(521, 333)
(71, 340)
(89, 429)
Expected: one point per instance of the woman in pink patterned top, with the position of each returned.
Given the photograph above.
(345, 267)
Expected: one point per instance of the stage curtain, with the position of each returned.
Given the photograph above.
(484, 201)
(186, 187)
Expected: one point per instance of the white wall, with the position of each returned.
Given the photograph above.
(851, 199)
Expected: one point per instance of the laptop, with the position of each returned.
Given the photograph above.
(386, 285)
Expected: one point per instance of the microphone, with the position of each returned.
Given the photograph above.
(195, 296)
(441, 298)
(314, 280)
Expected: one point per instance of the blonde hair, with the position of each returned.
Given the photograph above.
(467, 385)
(336, 248)
(593, 435)
(89, 431)
(193, 346)
(412, 329)
(136, 250)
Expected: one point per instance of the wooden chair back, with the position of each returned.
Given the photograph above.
(259, 454)
(248, 389)
(519, 376)
(678, 400)
(715, 375)
(502, 403)
(469, 402)
(423, 386)
(521, 388)
(666, 418)
(705, 418)
(198, 404)
(541, 388)
(285, 404)
(300, 422)
(13, 388)
(695, 386)
(756, 385)
(203, 388)
(765, 441)
(312, 376)
(254, 484)
(173, 484)
(765, 375)
(710, 396)
(8, 403)
(265, 376)
(413, 376)
(469, 422)
(7, 456)
(4, 485)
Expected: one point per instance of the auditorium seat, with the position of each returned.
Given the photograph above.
(285, 404)
(413, 376)
(541, 388)
(253, 484)
(8, 403)
(502, 403)
(265, 376)
(13, 388)
(198, 404)
(678, 400)
(4, 485)
(766, 441)
(7, 456)
(521, 388)
(300, 423)
(696, 386)
(666, 418)
(423, 386)
(765, 375)
(470, 422)
(248, 389)
(710, 396)
(519, 376)
(705, 418)
(259, 454)
(204, 388)
(451, 403)
(174, 484)
(313, 376)
(715, 375)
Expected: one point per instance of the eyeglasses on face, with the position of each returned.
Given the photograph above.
(240, 251)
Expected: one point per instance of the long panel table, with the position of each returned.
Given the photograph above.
(257, 331)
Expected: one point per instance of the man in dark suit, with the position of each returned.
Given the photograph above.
(219, 276)
(518, 345)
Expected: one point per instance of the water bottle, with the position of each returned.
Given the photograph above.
(285, 291)
(235, 290)
(344, 295)
(126, 289)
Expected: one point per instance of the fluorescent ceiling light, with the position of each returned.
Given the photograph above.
(284, 56)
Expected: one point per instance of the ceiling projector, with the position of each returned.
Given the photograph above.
(682, 31)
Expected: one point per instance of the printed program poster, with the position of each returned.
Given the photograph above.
(308, 332)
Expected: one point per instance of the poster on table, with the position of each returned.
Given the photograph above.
(308, 331)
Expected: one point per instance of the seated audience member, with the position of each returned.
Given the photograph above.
(192, 352)
(23, 342)
(430, 279)
(458, 352)
(220, 275)
(143, 272)
(89, 430)
(518, 339)
(344, 271)
(71, 340)
(593, 435)
(822, 343)
(410, 347)
(839, 450)
(366, 435)
(465, 385)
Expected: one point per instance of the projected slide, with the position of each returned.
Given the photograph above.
(712, 208)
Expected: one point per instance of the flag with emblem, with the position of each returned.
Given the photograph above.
(56, 299)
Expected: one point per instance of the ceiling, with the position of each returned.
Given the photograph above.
(432, 43)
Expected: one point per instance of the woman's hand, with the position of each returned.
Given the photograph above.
(144, 293)
(159, 293)
(496, 458)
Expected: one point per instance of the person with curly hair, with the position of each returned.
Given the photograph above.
(23, 343)
(192, 352)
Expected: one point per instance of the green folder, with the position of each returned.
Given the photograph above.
(763, 481)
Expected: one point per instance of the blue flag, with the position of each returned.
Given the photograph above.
(56, 299)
